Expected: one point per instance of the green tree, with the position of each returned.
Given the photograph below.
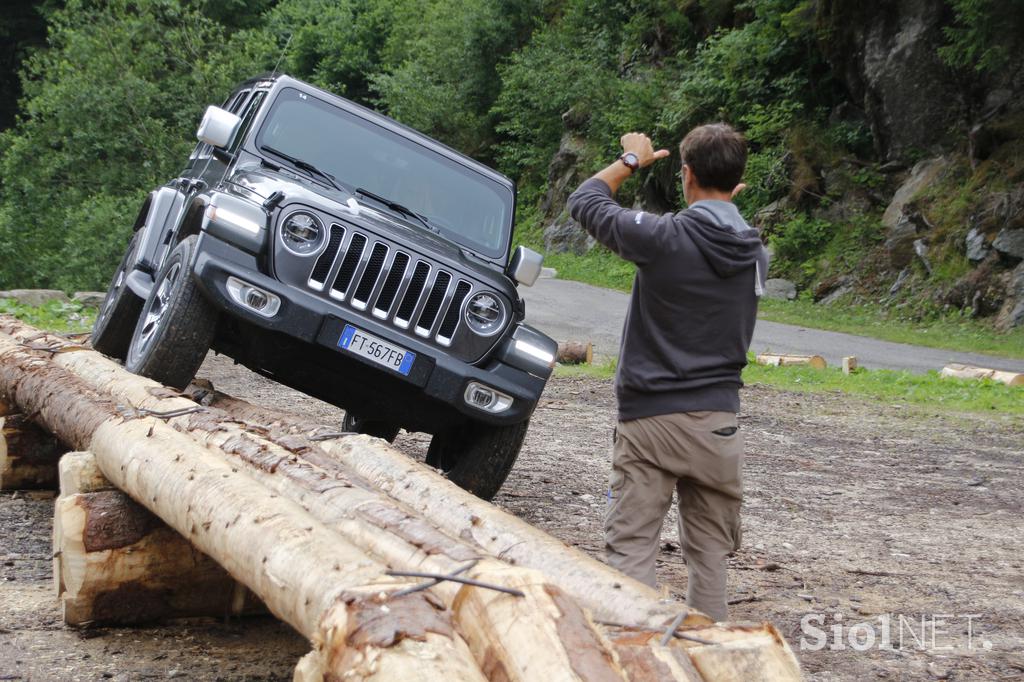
(108, 110)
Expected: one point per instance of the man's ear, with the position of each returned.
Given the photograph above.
(737, 189)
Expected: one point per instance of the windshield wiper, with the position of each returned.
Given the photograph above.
(304, 165)
(395, 206)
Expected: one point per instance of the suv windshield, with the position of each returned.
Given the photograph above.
(465, 206)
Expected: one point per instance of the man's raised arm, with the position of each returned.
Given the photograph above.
(631, 234)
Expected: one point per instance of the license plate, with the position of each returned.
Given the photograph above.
(376, 350)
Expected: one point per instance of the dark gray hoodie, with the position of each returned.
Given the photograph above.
(691, 315)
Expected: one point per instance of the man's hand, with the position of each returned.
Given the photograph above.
(640, 144)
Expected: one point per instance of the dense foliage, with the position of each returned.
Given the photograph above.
(110, 102)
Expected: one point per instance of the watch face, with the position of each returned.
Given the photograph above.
(631, 160)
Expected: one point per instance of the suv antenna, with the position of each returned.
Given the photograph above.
(281, 56)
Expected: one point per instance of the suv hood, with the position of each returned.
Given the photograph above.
(260, 182)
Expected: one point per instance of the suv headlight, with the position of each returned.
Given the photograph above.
(485, 314)
(302, 233)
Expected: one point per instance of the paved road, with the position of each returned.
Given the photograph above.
(572, 311)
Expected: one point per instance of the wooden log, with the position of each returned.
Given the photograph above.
(773, 360)
(959, 371)
(849, 364)
(117, 564)
(505, 633)
(28, 455)
(740, 653)
(79, 473)
(575, 352)
(308, 575)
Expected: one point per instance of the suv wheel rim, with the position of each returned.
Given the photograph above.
(158, 308)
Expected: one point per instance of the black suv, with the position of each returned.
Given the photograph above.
(336, 251)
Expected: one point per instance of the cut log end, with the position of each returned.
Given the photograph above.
(575, 352)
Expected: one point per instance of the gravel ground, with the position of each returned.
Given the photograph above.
(856, 512)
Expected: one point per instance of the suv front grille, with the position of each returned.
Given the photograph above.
(394, 285)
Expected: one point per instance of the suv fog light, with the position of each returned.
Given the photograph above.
(257, 300)
(486, 398)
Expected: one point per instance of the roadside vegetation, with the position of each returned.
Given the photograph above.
(926, 392)
(56, 316)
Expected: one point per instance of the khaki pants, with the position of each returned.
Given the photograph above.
(682, 452)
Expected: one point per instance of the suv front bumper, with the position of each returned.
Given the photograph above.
(435, 375)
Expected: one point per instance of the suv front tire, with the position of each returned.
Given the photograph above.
(176, 326)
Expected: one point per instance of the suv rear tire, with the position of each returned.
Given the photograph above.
(176, 326)
(371, 427)
(115, 322)
(477, 456)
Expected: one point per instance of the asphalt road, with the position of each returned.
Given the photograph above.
(568, 310)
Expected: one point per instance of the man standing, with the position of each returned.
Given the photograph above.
(691, 317)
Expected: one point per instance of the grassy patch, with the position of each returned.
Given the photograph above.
(888, 386)
(53, 316)
(952, 332)
(597, 370)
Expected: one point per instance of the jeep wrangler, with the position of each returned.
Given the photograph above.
(336, 251)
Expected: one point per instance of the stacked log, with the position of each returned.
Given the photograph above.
(303, 520)
(116, 563)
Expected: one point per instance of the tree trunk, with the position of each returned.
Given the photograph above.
(773, 360)
(575, 352)
(28, 455)
(959, 371)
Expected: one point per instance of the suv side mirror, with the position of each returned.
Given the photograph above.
(525, 266)
(218, 127)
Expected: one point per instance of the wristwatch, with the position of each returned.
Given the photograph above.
(631, 160)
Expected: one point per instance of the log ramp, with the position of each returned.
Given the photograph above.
(207, 505)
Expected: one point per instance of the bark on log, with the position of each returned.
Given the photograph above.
(118, 564)
(575, 352)
(959, 371)
(307, 574)
(28, 455)
(773, 360)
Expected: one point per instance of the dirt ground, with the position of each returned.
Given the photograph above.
(897, 530)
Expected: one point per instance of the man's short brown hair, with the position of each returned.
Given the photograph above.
(716, 154)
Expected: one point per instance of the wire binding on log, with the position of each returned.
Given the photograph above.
(671, 630)
(331, 435)
(169, 414)
(435, 581)
(441, 577)
(677, 635)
